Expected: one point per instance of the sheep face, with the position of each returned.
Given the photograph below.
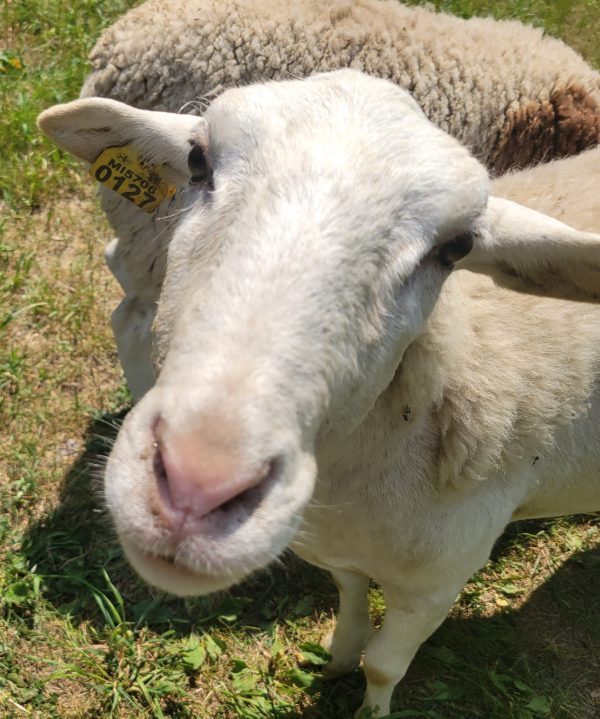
(308, 259)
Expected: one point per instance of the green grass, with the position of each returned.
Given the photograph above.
(576, 21)
(80, 635)
(42, 62)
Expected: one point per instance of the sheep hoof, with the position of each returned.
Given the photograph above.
(335, 669)
(365, 712)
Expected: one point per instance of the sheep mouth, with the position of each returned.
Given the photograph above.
(221, 522)
(202, 554)
(215, 551)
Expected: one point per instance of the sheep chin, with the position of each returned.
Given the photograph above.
(170, 576)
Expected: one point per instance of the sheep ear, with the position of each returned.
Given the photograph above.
(86, 127)
(556, 257)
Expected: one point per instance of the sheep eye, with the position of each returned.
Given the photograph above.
(198, 166)
(457, 248)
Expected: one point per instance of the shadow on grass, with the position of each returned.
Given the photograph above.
(541, 658)
(515, 663)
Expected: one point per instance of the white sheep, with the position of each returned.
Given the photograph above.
(512, 95)
(310, 321)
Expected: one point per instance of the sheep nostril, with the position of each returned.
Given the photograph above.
(195, 478)
(162, 482)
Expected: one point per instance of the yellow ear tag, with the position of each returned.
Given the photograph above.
(121, 169)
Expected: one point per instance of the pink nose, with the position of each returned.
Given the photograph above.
(196, 476)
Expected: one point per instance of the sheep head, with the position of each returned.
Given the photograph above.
(322, 219)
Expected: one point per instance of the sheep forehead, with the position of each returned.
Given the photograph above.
(340, 156)
(361, 119)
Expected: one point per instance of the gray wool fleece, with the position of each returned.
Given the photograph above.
(512, 95)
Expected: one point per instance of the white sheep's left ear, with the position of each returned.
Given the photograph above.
(558, 258)
(86, 127)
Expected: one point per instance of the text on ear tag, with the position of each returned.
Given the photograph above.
(120, 169)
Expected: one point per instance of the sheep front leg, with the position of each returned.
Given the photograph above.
(353, 627)
(409, 620)
(132, 326)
